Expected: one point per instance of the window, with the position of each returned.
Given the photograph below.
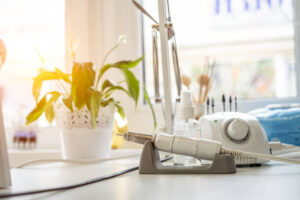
(252, 41)
(28, 27)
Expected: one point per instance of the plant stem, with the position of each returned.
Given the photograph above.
(64, 88)
(59, 87)
(105, 57)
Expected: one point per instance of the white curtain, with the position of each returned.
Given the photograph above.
(98, 23)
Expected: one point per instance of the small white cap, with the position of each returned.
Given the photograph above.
(186, 107)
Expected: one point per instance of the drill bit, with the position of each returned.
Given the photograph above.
(223, 101)
(235, 104)
(212, 105)
(139, 138)
(230, 103)
(207, 105)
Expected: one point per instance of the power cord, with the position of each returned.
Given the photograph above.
(67, 187)
(239, 153)
(279, 148)
(75, 161)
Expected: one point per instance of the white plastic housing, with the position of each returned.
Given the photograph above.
(198, 148)
(248, 135)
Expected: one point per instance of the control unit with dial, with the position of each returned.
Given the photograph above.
(236, 131)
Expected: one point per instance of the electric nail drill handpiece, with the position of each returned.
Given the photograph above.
(198, 148)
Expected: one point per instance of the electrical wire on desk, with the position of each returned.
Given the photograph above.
(75, 161)
(95, 180)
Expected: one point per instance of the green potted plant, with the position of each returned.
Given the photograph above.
(83, 106)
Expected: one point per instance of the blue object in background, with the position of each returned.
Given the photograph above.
(281, 124)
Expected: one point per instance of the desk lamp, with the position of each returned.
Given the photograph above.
(5, 180)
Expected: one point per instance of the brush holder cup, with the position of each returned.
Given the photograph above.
(79, 139)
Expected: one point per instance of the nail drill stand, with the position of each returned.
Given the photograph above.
(150, 164)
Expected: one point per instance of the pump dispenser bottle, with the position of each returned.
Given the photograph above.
(184, 124)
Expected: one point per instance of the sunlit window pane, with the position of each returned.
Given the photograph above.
(28, 27)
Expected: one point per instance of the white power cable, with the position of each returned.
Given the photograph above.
(282, 149)
(257, 155)
(291, 155)
(75, 161)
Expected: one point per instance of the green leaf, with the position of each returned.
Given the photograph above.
(93, 104)
(68, 103)
(106, 102)
(129, 63)
(83, 77)
(41, 106)
(36, 112)
(120, 110)
(108, 83)
(107, 94)
(44, 76)
(49, 113)
(63, 75)
(132, 84)
(38, 81)
(54, 97)
(146, 96)
(36, 88)
(111, 86)
(121, 65)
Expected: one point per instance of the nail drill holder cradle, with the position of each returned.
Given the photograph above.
(150, 164)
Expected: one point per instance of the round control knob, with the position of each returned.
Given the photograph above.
(237, 130)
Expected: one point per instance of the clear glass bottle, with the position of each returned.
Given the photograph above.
(185, 125)
(186, 128)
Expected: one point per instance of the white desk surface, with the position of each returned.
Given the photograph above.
(273, 181)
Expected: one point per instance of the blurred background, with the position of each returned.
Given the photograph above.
(251, 40)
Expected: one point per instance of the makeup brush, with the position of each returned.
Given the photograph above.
(204, 87)
(204, 80)
(186, 81)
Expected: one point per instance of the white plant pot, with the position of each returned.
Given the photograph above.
(79, 140)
